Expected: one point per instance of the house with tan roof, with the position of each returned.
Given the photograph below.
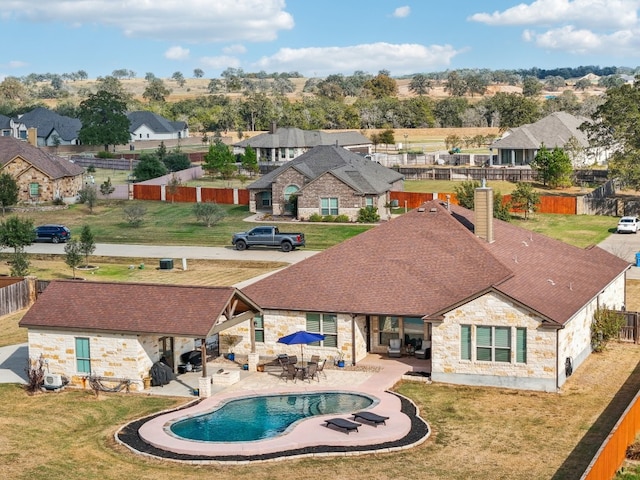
(283, 144)
(497, 304)
(40, 176)
(519, 146)
(119, 330)
(326, 180)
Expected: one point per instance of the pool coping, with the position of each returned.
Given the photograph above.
(347, 445)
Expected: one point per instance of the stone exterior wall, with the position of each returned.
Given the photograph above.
(25, 174)
(289, 177)
(327, 185)
(117, 356)
(539, 371)
(277, 324)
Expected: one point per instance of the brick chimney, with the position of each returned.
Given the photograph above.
(483, 201)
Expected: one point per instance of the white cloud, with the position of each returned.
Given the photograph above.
(197, 21)
(17, 64)
(177, 53)
(399, 59)
(402, 12)
(585, 13)
(234, 49)
(569, 39)
(221, 62)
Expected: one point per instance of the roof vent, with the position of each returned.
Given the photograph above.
(421, 209)
(433, 210)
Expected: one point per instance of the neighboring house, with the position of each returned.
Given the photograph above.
(326, 180)
(284, 144)
(151, 126)
(519, 146)
(500, 305)
(5, 126)
(119, 330)
(40, 176)
(52, 129)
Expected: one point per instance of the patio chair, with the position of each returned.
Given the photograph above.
(310, 372)
(285, 368)
(320, 369)
(293, 359)
(394, 348)
(424, 351)
(292, 373)
(315, 358)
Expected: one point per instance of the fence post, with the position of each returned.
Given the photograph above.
(198, 194)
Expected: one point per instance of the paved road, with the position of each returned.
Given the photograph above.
(179, 252)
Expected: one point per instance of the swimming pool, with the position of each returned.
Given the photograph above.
(267, 416)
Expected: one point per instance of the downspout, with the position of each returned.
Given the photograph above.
(353, 339)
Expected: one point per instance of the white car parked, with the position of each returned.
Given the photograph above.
(628, 225)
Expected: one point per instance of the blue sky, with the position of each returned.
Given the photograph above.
(314, 38)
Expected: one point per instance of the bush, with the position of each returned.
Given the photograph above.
(341, 219)
(58, 201)
(368, 215)
(328, 218)
(209, 213)
(605, 327)
(316, 217)
(105, 154)
(134, 214)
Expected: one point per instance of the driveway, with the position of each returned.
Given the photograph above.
(625, 246)
(13, 361)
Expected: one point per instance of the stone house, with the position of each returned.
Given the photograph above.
(41, 176)
(519, 146)
(285, 144)
(51, 129)
(498, 305)
(118, 331)
(327, 180)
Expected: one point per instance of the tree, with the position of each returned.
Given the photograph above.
(387, 137)
(88, 196)
(465, 193)
(455, 85)
(87, 242)
(476, 84)
(606, 325)
(73, 255)
(8, 191)
(420, 84)
(172, 186)
(554, 167)
(531, 87)
(134, 214)
(17, 233)
(156, 91)
(209, 213)
(219, 160)
(250, 161)
(582, 84)
(381, 86)
(107, 188)
(198, 73)
(179, 78)
(176, 161)
(113, 86)
(525, 199)
(104, 120)
(616, 127)
(149, 167)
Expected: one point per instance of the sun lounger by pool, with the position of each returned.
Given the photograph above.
(346, 425)
(371, 417)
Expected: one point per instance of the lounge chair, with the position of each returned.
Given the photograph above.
(425, 350)
(371, 417)
(347, 425)
(394, 348)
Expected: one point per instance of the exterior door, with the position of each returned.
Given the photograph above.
(166, 351)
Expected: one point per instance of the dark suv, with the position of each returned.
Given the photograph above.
(55, 233)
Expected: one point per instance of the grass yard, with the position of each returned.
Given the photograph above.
(477, 433)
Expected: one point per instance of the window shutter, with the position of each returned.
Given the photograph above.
(521, 345)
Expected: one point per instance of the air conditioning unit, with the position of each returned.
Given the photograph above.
(52, 381)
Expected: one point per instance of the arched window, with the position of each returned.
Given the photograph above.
(290, 190)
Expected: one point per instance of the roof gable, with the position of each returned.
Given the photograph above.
(136, 308)
(285, 137)
(47, 121)
(153, 121)
(554, 130)
(51, 165)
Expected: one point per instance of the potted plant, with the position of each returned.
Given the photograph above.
(229, 341)
(340, 361)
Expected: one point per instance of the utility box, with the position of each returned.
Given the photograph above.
(166, 264)
(638, 259)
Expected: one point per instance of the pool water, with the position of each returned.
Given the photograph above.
(257, 418)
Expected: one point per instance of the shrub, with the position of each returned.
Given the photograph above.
(341, 219)
(316, 217)
(368, 215)
(134, 214)
(328, 218)
(105, 154)
(208, 213)
(58, 201)
(605, 327)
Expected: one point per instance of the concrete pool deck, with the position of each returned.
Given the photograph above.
(373, 376)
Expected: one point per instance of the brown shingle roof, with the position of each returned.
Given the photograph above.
(138, 308)
(53, 166)
(425, 263)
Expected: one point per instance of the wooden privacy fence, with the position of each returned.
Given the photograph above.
(14, 295)
(612, 452)
(226, 196)
(548, 203)
(630, 332)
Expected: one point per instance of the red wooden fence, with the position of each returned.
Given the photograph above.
(146, 192)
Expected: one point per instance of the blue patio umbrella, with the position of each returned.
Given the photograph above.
(301, 337)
